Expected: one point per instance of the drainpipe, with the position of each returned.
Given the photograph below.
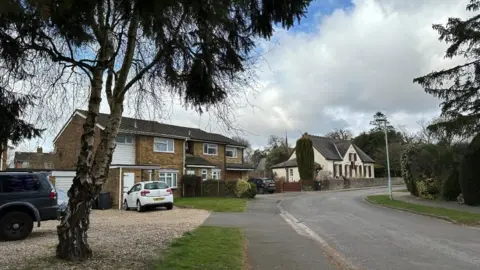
(120, 188)
(183, 168)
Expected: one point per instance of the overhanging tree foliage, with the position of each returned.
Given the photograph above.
(305, 158)
(459, 86)
(14, 129)
(197, 50)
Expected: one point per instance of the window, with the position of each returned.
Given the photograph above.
(137, 187)
(169, 178)
(19, 183)
(124, 139)
(354, 157)
(163, 145)
(231, 152)
(291, 172)
(210, 149)
(156, 185)
(216, 174)
(190, 172)
(204, 174)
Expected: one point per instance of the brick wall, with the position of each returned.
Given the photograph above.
(238, 159)
(68, 144)
(218, 159)
(336, 184)
(145, 154)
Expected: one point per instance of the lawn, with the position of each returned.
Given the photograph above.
(454, 215)
(402, 190)
(206, 248)
(215, 204)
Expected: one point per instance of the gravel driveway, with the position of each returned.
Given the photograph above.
(119, 239)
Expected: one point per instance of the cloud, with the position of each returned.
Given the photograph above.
(341, 67)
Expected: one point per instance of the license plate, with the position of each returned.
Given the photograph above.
(158, 199)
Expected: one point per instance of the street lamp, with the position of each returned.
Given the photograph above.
(378, 122)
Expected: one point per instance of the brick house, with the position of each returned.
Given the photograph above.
(148, 150)
(33, 160)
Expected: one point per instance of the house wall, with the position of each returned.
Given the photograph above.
(346, 161)
(238, 159)
(218, 159)
(67, 145)
(290, 174)
(146, 156)
(115, 181)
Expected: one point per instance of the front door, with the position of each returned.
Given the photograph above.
(128, 182)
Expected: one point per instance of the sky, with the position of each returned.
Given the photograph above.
(344, 62)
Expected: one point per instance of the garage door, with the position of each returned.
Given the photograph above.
(63, 179)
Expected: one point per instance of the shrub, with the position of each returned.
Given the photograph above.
(451, 186)
(253, 191)
(305, 157)
(407, 159)
(428, 188)
(470, 173)
(242, 188)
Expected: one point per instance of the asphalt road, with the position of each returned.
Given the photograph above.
(373, 237)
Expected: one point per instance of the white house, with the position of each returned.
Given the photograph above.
(337, 157)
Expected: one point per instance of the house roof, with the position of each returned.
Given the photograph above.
(244, 166)
(153, 128)
(35, 158)
(196, 160)
(289, 163)
(261, 164)
(333, 149)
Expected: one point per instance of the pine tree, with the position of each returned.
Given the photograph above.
(14, 129)
(458, 86)
(305, 157)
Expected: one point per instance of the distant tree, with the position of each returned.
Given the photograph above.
(378, 122)
(256, 156)
(458, 86)
(242, 141)
(13, 128)
(305, 157)
(247, 151)
(278, 151)
(340, 134)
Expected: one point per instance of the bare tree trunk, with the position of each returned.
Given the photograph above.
(72, 231)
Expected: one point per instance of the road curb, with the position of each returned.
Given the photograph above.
(336, 257)
(414, 212)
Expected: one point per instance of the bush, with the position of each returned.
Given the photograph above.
(470, 173)
(305, 157)
(428, 188)
(407, 159)
(242, 189)
(253, 191)
(451, 186)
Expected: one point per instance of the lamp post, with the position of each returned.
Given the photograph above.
(384, 121)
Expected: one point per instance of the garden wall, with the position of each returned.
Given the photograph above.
(338, 183)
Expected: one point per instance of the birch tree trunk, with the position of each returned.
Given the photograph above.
(72, 231)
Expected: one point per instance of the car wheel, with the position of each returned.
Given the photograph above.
(260, 190)
(271, 191)
(125, 206)
(16, 226)
(139, 207)
(170, 206)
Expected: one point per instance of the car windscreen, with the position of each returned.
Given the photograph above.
(155, 185)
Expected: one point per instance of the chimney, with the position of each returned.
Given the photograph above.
(39, 150)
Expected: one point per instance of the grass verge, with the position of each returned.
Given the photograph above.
(460, 217)
(206, 248)
(402, 190)
(215, 204)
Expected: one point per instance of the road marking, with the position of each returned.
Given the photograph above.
(304, 230)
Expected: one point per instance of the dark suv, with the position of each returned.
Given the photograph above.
(263, 185)
(25, 198)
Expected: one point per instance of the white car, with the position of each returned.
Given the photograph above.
(149, 194)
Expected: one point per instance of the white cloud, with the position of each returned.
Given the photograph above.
(353, 63)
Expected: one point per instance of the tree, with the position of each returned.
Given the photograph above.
(340, 134)
(247, 152)
(13, 128)
(278, 151)
(469, 171)
(305, 157)
(458, 86)
(256, 156)
(198, 50)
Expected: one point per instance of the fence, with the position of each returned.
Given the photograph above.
(193, 186)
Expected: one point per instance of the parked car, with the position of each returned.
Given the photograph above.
(151, 194)
(263, 185)
(25, 198)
